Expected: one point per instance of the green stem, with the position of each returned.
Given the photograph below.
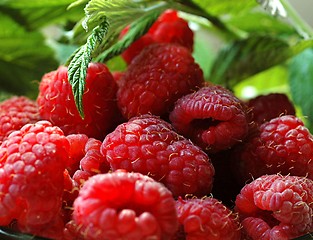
(302, 27)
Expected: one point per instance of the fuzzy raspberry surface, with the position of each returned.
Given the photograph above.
(282, 145)
(149, 145)
(156, 78)
(122, 205)
(276, 207)
(211, 117)
(206, 218)
(266, 107)
(56, 101)
(32, 162)
(15, 112)
(168, 28)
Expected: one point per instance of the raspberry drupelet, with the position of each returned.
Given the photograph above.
(149, 145)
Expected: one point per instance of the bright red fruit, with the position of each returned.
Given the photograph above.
(206, 218)
(32, 162)
(122, 205)
(149, 145)
(156, 78)
(276, 207)
(211, 117)
(15, 112)
(56, 102)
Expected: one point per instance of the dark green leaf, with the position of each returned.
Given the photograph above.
(301, 82)
(77, 69)
(244, 58)
(24, 58)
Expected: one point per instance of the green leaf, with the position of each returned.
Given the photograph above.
(33, 14)
(24, 58)
(243, 58)
(301, 82)
(136, 30)
(221, 7)
(77, 69)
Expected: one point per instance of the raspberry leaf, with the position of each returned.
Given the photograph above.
(77, 69)
(301, 81)
(244, 58)
(136, 30)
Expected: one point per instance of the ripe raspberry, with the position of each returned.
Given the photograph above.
(149, 145)
(32, 162)
(267, 107)
(276, 207)
(15, 112)
(168, 28)
(206, 218)
(56, 101)
(123, 205)
(212, 118)
(156, 78)
(282, 145)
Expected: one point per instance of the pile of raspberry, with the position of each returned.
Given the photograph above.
(161, 153)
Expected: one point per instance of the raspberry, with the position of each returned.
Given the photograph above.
(56, 102)
(276, 207)
(168, 28)
(282, 145)
(156, 78)
(15, 112)
(212, 118)
(32, 162)
(267, 107)
(123, 205)
(206, 218)
(149, 145)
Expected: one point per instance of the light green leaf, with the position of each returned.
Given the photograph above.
(77, 69)
(222, 7)
(301, 82)
(24, 58)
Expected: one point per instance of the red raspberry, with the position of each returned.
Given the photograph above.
(56, 101)
(168, 28)
(123, 205)
(157, 77)
(15, 112)
(282, 145)
(276, 207)
(206, 218)
(149, 145)
(267, 107)
(212, 118)
(32, 162)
